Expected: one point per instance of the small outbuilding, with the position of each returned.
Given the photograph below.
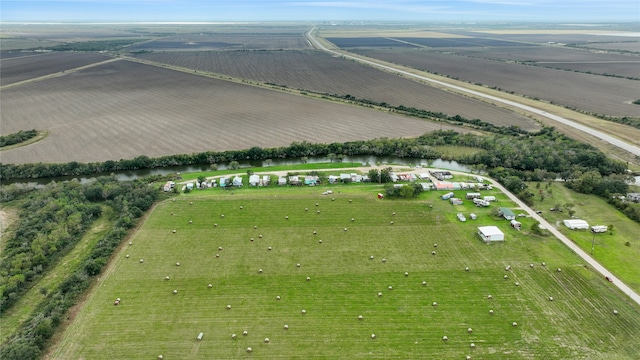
(576, 224)
(507, 213)
(490, 233)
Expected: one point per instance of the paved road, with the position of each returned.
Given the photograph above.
(608, 138)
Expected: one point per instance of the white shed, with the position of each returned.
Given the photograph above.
(576, 224)
(490, 233)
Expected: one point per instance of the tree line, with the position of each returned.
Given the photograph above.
(53, 219)
(18, 137)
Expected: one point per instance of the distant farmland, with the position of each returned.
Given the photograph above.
(358, 269)
(31, 65)
(125, 109)
(593, 93)
(317, 71)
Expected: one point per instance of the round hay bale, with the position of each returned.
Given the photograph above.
(127, 256)
(286, 218)
(220, 248)
(249, 349)
(130, 242)
(384, 260)
(259, 271)
(210, 286)
(507, 268)
(175, 292)
(304, 312)
(278, 297)
(173, 231)
(298, 265)
(320, 241)
(317, 204)
(251, 239)
(406, 274)
(379, 294)
(615, 312)
(160, 357)
(445, 338)
(345, 229)
(222, 215)
(269, 248)
(352, 219)
(517, 283)
(245, 333)
(469, 330)
(514, 324)
(166, 278)
(544, 264)
(190, 222)
(241, 207)
(531, 266)
(260, 236)
(306, 209)
(315, 232)
(141, 261)
(434, 304)
(286, 327)
(215, 225)
(255, 226)
(433, 253)
(333, 199)
(234, 336)
(489, 297)
(217, 255)
(359, 317)
(266, 340)
(390, 222)
(177, 264)
(550, 298)
(350, 200)
(468, 357)
(435, 245)
(308, 278)
(174, 199)
(472, 345)
(117, 299)
(371, 257)
(466, 268)
(390, 288)
(393, 213)
(190, 202)
(228, 307)
(559, 270)
(505, 277)
(373, 336)
(424, 283)
(490, 312)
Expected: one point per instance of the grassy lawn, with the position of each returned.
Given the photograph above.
(344, 283)
(609, 248)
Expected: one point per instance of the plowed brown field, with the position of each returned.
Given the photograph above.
(15, 69)
(592, 93)
(316, 71)
(124, 109)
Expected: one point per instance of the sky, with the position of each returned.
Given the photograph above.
(314, 10)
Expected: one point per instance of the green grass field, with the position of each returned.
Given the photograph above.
(344, 283)
(609, 248)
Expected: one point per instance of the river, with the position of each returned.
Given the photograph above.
(356, 160)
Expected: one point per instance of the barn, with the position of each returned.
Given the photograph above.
(576, 224)
(490, 233)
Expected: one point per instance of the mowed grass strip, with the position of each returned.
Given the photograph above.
(344, 283)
